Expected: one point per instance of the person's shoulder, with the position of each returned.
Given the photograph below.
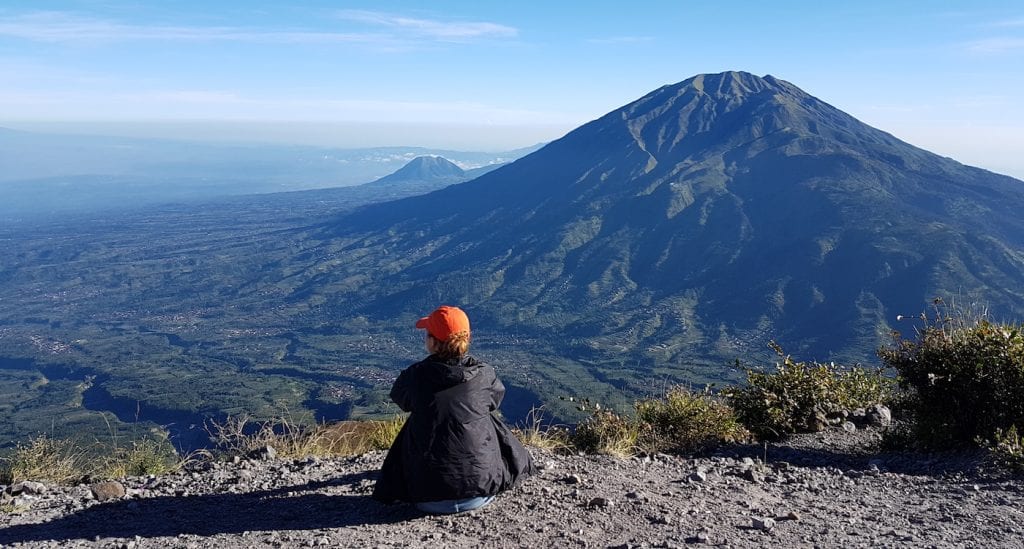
(474, 362)
(428, 364)
(481, 366)
(412, 368)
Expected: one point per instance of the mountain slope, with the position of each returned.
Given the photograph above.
(654, 245)
(700, 221)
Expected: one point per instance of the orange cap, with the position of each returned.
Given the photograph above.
(444, 322)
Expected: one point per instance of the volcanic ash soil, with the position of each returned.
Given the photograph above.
(823, 490)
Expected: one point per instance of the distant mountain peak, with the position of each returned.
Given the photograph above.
(425, 169)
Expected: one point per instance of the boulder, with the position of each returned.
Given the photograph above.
(879, 415)
(28, 487)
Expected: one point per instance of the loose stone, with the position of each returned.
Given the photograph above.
(107, 490)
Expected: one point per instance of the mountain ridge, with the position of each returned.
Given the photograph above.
(683, 193)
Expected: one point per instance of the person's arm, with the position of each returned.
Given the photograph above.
(497, 390)
(401, 391)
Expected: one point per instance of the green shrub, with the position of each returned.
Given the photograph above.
(964, 379)
(798, 396)
(606, 432)
(685, 422)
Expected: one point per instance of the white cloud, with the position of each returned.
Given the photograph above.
(394, 32)
(67, 27)
(429, 28)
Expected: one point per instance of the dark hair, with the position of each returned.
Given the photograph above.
(455, 346)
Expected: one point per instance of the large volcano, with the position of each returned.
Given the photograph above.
(698, 222)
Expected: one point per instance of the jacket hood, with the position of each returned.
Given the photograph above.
(456, 370)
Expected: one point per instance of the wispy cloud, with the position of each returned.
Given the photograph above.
(996, 45)
(1003, 38)
(621, 40)
(57, 27)
(431, 28)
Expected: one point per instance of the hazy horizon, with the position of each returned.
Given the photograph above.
(990, 148)
(487, 77)
(340, 135)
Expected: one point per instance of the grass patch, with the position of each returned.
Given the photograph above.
(606, 432)
(142, 457)
(66, 461)
(686, 422)
(538, 434)
(295, 439)
(60, 461)
(1008, 448)
(385, 432)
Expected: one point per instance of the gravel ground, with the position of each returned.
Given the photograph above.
(824, 490)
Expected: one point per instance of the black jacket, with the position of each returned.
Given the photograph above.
(452, 446)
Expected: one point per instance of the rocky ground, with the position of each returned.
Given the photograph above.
(823, 490)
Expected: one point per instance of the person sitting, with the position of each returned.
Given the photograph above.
(453, 454)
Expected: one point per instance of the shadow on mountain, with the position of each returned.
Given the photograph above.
(212, 514)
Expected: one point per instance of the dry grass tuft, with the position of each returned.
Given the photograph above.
(538, 434)
(606, 432)
(293, 439)
(142, 457)
(45, 459)
(385, 432)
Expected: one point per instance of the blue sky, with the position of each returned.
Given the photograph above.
(947, 76)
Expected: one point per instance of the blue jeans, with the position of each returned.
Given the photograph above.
(451, 506)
